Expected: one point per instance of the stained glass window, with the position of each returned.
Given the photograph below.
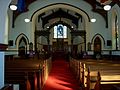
(60, 31)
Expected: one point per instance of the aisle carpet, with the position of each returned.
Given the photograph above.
(61, 78)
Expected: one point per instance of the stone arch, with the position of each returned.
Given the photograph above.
(22, 47)
(22, 38)
(59, 5)
(101, 39)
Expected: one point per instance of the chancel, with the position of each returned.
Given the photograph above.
(59, 44)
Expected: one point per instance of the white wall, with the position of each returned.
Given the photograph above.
(27, 28)
(3, 19)
(115, 9)
(1, 69)
(3, 9)
(99, 27)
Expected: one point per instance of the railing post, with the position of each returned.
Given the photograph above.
(83, 73)
(97, 85)
(35, 81)
(88, 79)
(28, 85)
(40, 78)
(76, 67)
(78, 71)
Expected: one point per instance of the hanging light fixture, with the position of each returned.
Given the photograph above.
(107, 7)
(106, 4)
(48, 27)
(13, 5)
(72, 27)
(93, 20)
(27, 20)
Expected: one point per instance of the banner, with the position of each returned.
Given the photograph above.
(21, 5)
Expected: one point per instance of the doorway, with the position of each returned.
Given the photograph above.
(97, 46)
(60, 48)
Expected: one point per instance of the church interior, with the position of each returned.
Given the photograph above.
(60, 45)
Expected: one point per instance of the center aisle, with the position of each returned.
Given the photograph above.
(61, 78)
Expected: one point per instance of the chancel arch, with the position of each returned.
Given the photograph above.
(64, 7)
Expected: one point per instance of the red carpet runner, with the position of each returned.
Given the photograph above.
(61, 78)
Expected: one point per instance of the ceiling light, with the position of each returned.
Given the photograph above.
(93, 20)
(72, 27)
(47, 26)
(13, 7)
(107, 7)
(27, 20)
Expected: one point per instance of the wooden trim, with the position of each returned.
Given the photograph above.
(3, 47)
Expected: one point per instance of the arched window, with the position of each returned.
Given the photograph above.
(60, 31)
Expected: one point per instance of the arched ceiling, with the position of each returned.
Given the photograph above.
(53, 14)
(60, 13)
(64, 13)
(96, 4)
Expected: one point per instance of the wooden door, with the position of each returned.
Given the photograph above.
(97, 46)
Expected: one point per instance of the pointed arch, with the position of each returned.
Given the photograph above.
(65, 5)
(20, 36)
(58, 5)
(101, 39)
(100, 36)
(22, 47)
(22, 44)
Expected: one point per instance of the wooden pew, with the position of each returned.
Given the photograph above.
(27, 73)
(110, 73)
(89, 75)
(78, 69)
(98, 84)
